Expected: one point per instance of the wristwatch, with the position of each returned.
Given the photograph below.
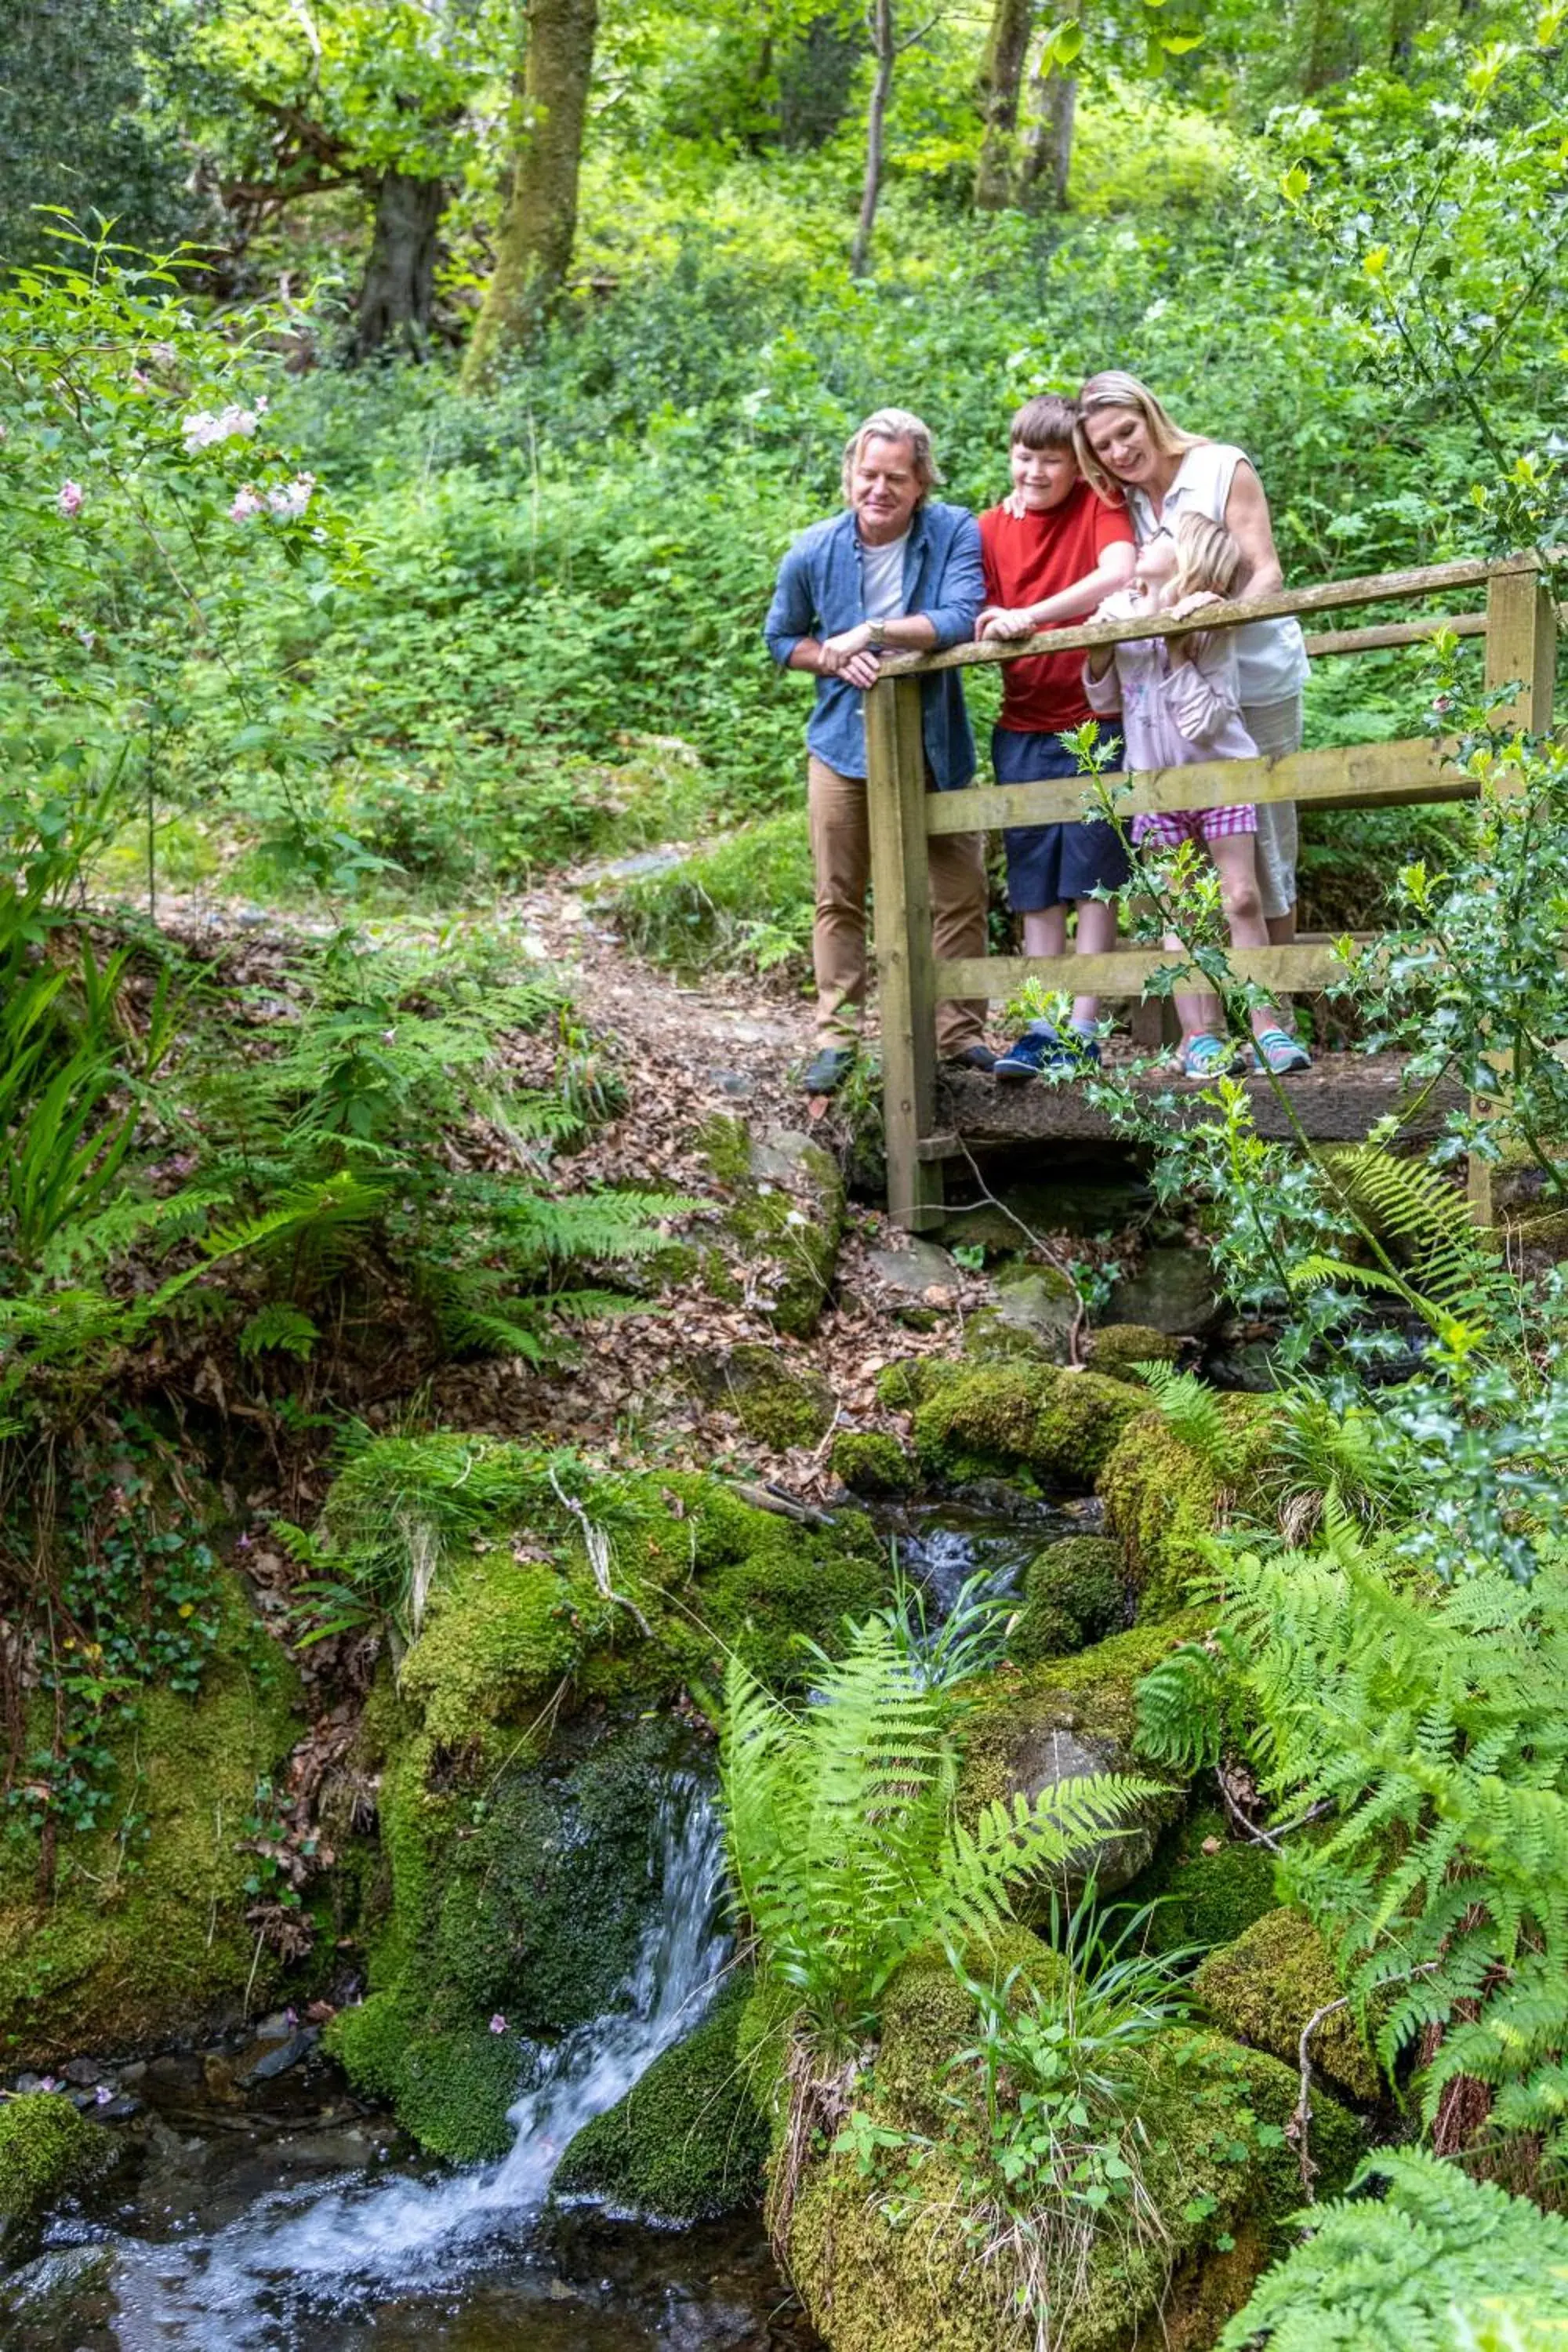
(877, 637)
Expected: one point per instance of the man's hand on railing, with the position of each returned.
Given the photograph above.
(849, 656)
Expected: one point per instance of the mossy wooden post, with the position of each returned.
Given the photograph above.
(1521, 652)
(900, 890)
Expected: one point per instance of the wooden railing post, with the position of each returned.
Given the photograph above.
(1521, 652)
(900, 890)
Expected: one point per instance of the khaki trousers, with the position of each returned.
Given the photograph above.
(841, 854)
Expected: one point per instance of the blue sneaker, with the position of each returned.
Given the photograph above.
(1038, 1050)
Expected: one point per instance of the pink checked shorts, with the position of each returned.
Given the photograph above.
(1172, 826)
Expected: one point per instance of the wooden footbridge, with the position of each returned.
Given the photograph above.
(931, 1116)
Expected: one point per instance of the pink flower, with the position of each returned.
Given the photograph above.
(246, 504)
(104, 2095)
(69, 499)
(288, 500)
(204, 429)
(498, 2023)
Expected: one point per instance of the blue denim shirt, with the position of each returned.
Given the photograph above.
(820, 590)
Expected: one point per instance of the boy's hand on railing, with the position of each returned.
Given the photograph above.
(849, 656)
(999, 621)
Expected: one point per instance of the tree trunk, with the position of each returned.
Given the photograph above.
(880, 19)
(534, 248)
(398, 293)
(1047, 151)
(1001, 78)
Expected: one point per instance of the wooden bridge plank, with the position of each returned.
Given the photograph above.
(1339, 1100)
(1358, 776)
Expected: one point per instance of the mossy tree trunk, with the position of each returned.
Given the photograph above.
(398, 293)
(1001, 78)
(539, 223)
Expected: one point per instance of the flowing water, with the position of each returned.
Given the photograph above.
(223, 2258)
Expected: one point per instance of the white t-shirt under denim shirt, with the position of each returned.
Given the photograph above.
(882, 578)
(1271, 655)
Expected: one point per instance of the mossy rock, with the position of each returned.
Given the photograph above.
(1116, 1348)
(1031, 1321)
(500, 1636)
(998, 1420)
(778, 1403)
(47, 2151)
(1216, 2160)
(1073, 1593)
(787, 1210)
(522, 1894)
(1208, 1885)
(1263, 1989)
(869, 1462)
(1162, 1497)
(1065, 1719)
(688, 2142)
(122, 1958)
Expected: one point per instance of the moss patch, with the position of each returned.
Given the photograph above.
(1073, 1593)
(499, 1636)
(1209, 1886)
(47, 2151)
(1116, 1348)
(869, 1462)
(129, 1955)
(687, 2143)
(1264, 1988)
(1162, 1496)
(994, 1421)
(779, 1404)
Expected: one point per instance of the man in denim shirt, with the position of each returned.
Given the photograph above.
(902, 569)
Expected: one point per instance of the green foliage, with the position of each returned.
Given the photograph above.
(46, 2150)
(745, 904)
(1195, 1415)
(846, 1853)
(1419, 2255)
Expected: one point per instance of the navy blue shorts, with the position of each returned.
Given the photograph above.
(1051, 864)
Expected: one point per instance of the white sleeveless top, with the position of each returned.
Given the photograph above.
(1271, 655)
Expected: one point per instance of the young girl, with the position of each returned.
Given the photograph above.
(1178, 705)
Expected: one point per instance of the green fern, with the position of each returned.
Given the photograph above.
(1429, 1725)
(1196, 1415)
(1454, 1278)
(847, 1852)
(1432, 2261)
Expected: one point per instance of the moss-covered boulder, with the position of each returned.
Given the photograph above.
(1031, 1321)
(1163, 1495)
(47, 2151)
(786, 1216)
(890, 2264)
(1063, 1720)
(1116, 1348)
(146, 1936)
(501, 1634)
(779, 1403)
(688, 2141)
(869, 1462)
(1171, 1289)
(1265, 1986)
(1073, 1593)
(1207, 1884)
(1001, 1420)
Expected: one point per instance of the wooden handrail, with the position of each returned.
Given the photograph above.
(1375, 588)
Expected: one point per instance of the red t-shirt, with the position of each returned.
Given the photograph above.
(1032, 557)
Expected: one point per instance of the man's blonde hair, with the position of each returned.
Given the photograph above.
(1207, 557)
(1113, 388)
(895, 424)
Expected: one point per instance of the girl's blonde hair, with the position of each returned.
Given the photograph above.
(1207, 557)
(1113, 388)
(895, 424)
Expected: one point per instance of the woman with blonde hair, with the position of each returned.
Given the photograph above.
(1127, 441)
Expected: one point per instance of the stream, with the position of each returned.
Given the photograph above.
(314, 2227)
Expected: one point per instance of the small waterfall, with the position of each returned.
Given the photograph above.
(300, 2253)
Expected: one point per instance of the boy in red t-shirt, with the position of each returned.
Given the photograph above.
(1052, 550)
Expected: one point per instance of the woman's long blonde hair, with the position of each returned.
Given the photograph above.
(1115, 389)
